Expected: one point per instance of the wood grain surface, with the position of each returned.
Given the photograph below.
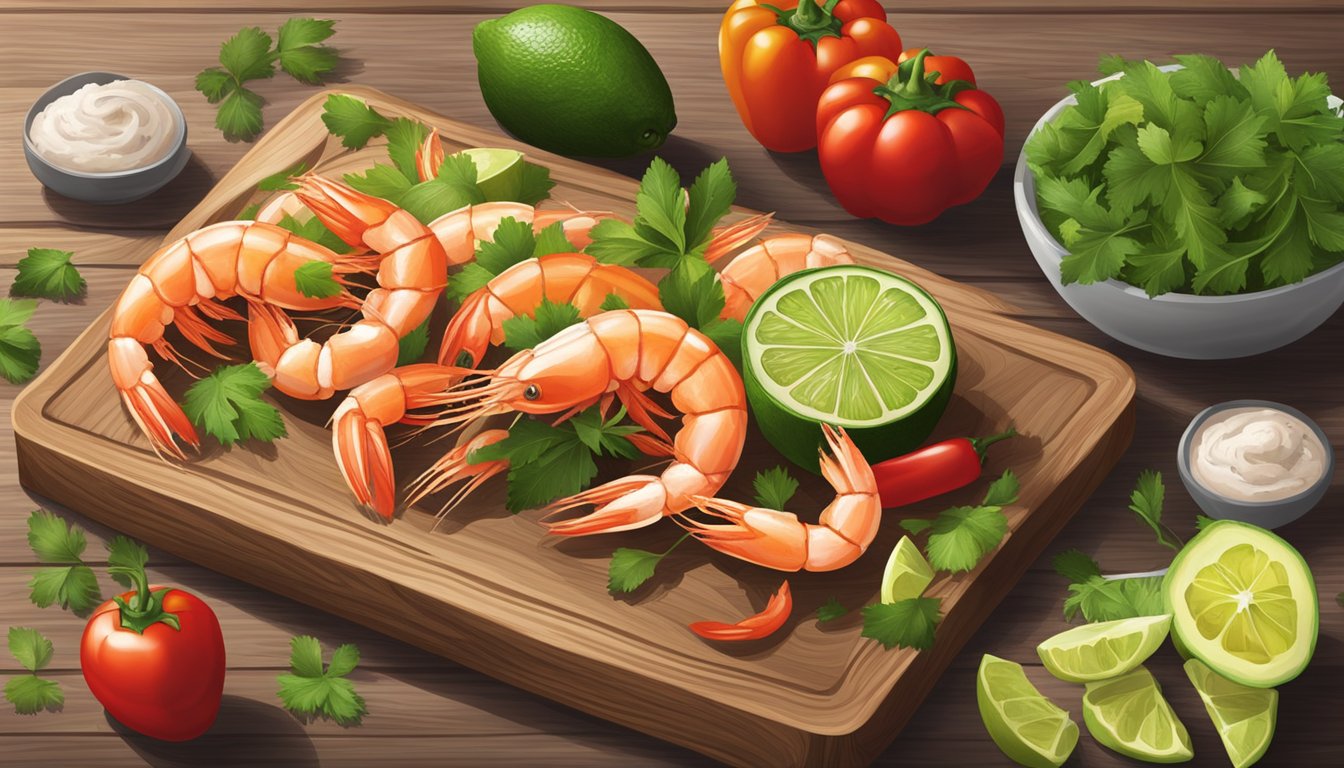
(433, 712)
(493, 592)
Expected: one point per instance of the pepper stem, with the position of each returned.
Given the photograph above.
(145, 608)
(981, 443)
(809, 16)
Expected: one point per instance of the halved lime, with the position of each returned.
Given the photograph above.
(1028, 727)
(1244, 716)
(852, 346)
(1243, 602)
(907, 573)
(1129, 715)
(499, 172)
(1105, 649)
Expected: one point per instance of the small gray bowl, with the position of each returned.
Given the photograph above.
(113, 186)
(1266, 514)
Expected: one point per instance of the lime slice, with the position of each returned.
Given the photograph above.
(851, 346)
(1028, 727)
(1105, 649)
(1243, 602)
(499, 172)
(907, 573)
(1129, 715)
(1244, 716)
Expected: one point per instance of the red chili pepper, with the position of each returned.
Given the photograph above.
(933, 470)
(763, 624)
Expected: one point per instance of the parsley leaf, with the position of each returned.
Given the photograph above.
(1101, 599)
(961, 536)
(1075, 565)
(309, 690)
(125, 552)
(67, 581)
(228, 405)
(299, 52)
(20, 351)
(831, 610)
(47, 273)
(314, 280)
(523, 332)
(354, 121)
(774, 487)
(630, 568)
(29, 693)
(1146, 502)
(909, 623)
(411, 347)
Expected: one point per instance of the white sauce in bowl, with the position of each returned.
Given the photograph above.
(1256, 454)
(117, 126)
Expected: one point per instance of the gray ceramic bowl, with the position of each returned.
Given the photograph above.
(1266, 514)
(1178, 324)
(111, 187)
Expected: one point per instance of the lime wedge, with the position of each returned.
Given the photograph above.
(499, 172)
(851, 346)
(1244, 716)
(1028, 727)
(1105, 649)
(1129, 715)
(907, 573)
(1243, 602)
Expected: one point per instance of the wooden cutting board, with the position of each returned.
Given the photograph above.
(490, 590)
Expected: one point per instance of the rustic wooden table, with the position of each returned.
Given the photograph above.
(426, 710)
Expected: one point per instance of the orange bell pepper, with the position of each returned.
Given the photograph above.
(778, 58)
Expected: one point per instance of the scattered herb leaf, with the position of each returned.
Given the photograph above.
(831, 610)
(630, 568)
(313, 230)
(909, 623)
(354, 121)
(411, 347)
(774, 487)
(29, 693)
(282, 180)
(959, 537)
(1146, 502)
(228, 405)
(20, 350)
(66, 581)
(125, 552)
(1101, 599)
(46, 273)
(523, 332)
(310, 690)
(1075, 565)
(315, 280)
(299, 50)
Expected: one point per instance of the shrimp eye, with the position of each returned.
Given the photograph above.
(532, 392)
(464, 359)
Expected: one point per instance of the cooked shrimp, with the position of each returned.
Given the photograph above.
(623, 354)
(186, 279)
(756, 269)
(779, 540)
(456, 466)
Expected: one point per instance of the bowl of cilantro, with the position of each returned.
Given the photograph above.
(1185, 209)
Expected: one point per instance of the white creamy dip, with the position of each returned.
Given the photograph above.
(1256, 454)
(117, 126)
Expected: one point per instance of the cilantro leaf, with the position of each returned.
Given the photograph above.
(774, 487)
(239, 115)
(382, 181)
(552, 240)
(1101, 599)
(404, 139)
(228, 405)
(661, 204)
(310, 690)
(1146, 502)
(1075, 565)
(428, 200)
(616, 242)
(31, 694)
(313, 230)
(523, 332)
(53, 540)
(299, 52)
(513, 242)
(125, 552)
(612, 302)
(710, 197)
(1202, 522)
(354, 121)
(1098, 238)
(283, 179)
(907, 623)
(20, 351)
(536, 184)
(630, 568)
(250, 212)
(831, 610)
(411, 347)
(69, 586)
(961, 536)
(314, 280)
(29, 648)
(247, 55)
(214, 83)
(561, 471)
(1003, 491)
(692, 291)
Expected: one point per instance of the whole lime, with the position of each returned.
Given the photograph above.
(572, 82)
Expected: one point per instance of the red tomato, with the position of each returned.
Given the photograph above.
(949, 68)
(162, 682)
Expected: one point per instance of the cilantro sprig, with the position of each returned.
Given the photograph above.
(961, 536)
(513, 242)
(774, 487)
(311, 689)
(909, 623)
(1194, 181)
(29, 693)
(831, 610)
(630, 568)
(20, 351)
(228, 405)
(64, 579)
(249, 55)
(46, 273)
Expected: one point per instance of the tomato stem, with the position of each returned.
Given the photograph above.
(145, 607)
(910, 88)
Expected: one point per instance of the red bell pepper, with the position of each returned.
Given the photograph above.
(949, 68)
(778, 58)
(905, 150)
(933, 470)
